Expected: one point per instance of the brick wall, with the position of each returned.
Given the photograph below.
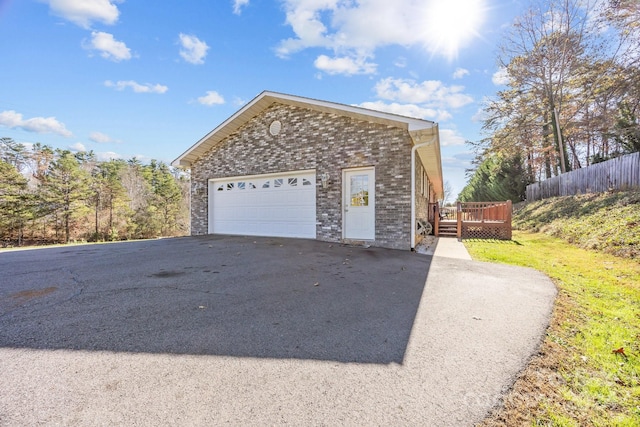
(325, 142)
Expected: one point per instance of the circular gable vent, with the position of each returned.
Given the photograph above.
(275, 127)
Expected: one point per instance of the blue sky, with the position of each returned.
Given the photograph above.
(130, 78)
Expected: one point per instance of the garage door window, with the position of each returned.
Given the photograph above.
(277, 183)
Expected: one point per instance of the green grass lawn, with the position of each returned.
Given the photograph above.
(578, 378)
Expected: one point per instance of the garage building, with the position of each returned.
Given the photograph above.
(289, 166)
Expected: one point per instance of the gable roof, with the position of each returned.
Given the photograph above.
(421, 131)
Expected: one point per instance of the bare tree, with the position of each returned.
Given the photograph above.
(447, 193)
(545, 53)
(573, 86)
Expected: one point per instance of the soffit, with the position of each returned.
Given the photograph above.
(430, 156)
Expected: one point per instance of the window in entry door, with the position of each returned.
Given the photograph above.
(359, 190)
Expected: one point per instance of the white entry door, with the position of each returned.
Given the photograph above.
(359, 202)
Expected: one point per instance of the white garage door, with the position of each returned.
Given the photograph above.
(282, 205)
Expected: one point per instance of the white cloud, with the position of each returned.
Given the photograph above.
(84, 12)
(449, 137)
(105, 156)
(454, 167)
(500, 77)
(358, 28)
(11, 119)
(238, 5)
(239, 102)
(400, 62)
(428, 100)
(78, 146)
(460, 73)
(211, 98)
(102, 138)
(193, 49)
(480, 116)
(136, 87)
(108, 47)
(408, 110)
(432, 93)
(344, 65)
(143, 158)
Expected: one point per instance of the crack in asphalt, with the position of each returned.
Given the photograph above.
(152, 288)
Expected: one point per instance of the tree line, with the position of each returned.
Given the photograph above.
(51, 196)
(571, 69)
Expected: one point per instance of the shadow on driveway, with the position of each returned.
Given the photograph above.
(214, 295)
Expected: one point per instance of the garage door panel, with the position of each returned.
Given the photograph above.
(275, 205)
(254, 214)
(293, 197)
(261, 198)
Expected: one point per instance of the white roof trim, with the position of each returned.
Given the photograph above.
(413, 124)
(266, 98)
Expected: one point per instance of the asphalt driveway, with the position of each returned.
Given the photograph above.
(209, 330)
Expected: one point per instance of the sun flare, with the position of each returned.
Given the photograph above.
(452, 24)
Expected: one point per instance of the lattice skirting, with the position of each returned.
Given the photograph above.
(486, 231)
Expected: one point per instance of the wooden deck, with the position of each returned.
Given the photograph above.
(473, 220)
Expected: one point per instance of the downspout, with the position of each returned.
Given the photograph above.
(413, 188)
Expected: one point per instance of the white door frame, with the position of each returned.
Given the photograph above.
(368, 222)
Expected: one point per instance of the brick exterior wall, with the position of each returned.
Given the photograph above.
(328, 143)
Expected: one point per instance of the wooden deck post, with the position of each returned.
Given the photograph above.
(459, 219)
(508, 221)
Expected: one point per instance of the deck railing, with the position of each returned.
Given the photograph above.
(474, 220)
(484, 220)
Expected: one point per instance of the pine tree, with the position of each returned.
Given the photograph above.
(66, 190)
(16, 203)
(114, 197)
(167, 197)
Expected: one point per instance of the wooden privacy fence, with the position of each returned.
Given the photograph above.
(616, 174)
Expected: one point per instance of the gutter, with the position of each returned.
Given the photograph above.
(413, 186)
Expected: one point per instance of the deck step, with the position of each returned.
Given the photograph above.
(448, 229)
